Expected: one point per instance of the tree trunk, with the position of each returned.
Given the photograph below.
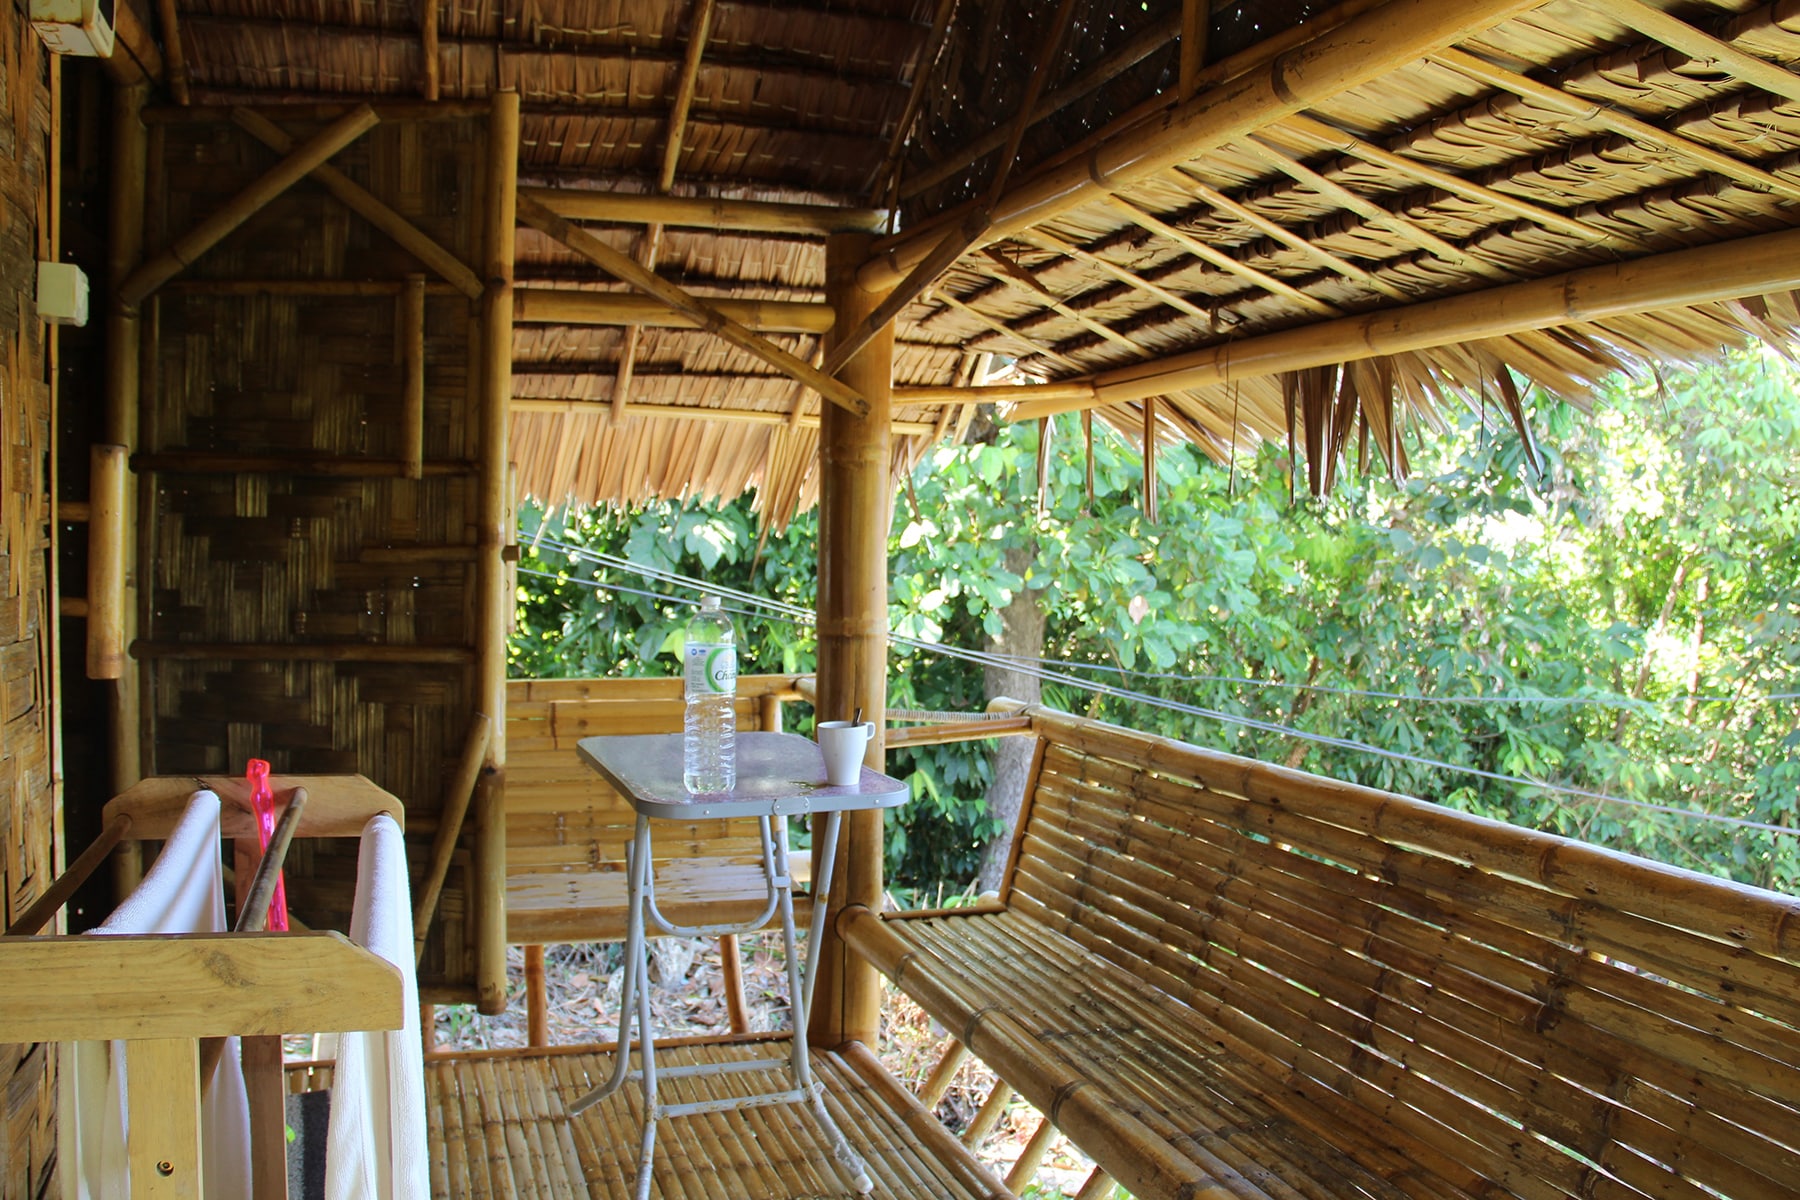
(1021, 635)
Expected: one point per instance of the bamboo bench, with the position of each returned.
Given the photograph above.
(1222, 978)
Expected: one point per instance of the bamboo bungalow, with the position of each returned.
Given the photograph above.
(363, 275)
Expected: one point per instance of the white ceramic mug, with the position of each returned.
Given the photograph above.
(843, 744)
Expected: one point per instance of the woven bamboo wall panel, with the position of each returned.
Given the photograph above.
(307, 603)
(27, 784)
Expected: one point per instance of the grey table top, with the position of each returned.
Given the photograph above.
(778, 774)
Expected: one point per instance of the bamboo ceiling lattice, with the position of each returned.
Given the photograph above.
(1241, 233)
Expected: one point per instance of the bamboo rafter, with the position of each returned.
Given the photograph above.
(1199, 249)
(708, 317)
(1697, 43)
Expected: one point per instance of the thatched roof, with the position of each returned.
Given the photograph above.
(1332, 162)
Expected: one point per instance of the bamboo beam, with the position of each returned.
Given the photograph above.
(1199, 249)
(136, 61)
(1672, 31)
(1013, 273)
(428, 49)
(1345, 142)
(1360, 50)
(344, 652)
(492, 606)
(567, 306)
(1285, 236)
(1612, 120)
(1005, 330)
(366, 205)
(709, 318)
(697, 212)
(685, 412)
(1368, 210)
(1034, 91)
(1131, 279)
(174, 58)
(412, 409)
(310, 111)
(1681, 278)
(684, 92)
(207, 462)
(107, 512)
(450, 822)
(1196, 26)
(855, 502)
(1072, 391)
(922, 276)
(537, 1004)
(124, 360)
(923, 71)
(213, 229)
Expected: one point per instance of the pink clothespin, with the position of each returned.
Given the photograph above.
(262, 803)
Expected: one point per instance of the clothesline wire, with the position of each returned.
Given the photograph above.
(1006, 660)
(792, 614)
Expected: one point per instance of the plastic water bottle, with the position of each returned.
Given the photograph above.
(709, 667)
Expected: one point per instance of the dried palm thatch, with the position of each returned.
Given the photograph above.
(1285, 165)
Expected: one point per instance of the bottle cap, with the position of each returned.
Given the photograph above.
(709, 601)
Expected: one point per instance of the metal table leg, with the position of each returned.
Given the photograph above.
(635, 994)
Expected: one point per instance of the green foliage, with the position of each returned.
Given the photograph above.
(1657, 554)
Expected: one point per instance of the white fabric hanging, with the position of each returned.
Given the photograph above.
(183, 892)
(375, 1144)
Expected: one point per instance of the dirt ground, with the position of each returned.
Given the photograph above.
(582, 984)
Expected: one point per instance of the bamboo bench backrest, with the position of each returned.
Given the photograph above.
(1527, 1009)
(560, 814)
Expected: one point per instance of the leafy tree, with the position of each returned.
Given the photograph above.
(1609, 620)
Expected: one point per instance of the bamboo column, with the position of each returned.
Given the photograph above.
(855, 507)
(491, 599)
(125, 247)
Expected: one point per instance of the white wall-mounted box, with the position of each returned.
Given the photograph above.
(62, 294)
(75, 26)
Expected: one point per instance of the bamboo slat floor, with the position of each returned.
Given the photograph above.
(499, 1129)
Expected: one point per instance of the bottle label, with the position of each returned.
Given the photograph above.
(711, 668)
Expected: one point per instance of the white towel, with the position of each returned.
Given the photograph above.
(375, 1145)
(183, 892)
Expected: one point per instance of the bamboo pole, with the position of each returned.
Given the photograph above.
(937, 1084)
(958, 731)
(1680, 278)
(492, 607)
(1613, 120)
(731, 971)
(1025, 1167)
(1673, 31)
(855, 503)
(923, 71)
(125, 247)
(568, 306)
(203, 462)
(253, 914)
(1348, 56)
(708, 317)
(1348, 143)
(247, 203)
(941, 258)
(730, 416)
(174, 57)
(366, 205)
(366, 652)
(443, 843)
(988, 1115)
(107, 555)
(537, 1004)
(1196, 26)
(428, 49)
(412, 410)
(46, 906)
(698, 212)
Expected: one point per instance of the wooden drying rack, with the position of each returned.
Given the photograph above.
(172, 996)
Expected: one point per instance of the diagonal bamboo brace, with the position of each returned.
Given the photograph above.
(304, 159)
